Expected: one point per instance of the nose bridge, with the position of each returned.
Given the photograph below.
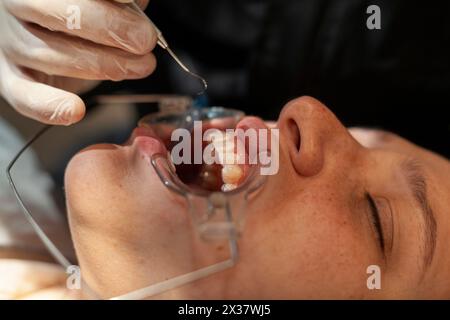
(336, 141)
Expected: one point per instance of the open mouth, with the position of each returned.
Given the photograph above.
(227, 168)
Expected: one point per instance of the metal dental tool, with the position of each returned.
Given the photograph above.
(163, 44)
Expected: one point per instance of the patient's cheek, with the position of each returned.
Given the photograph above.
(127, 213)
(118, 194)
(92, 184)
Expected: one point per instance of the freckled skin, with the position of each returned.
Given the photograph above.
(307, 233)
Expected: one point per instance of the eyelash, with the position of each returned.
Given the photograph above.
(375, 220)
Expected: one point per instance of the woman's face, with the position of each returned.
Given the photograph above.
(343, 200)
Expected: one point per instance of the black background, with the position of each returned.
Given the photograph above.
(279, 309)
(259, 54)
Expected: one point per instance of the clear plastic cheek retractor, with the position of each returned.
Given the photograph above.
(216, 202)
(216, 214)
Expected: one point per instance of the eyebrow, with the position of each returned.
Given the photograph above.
(414, 175)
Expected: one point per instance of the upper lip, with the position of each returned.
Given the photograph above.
(256, 124)
(145, 138)
(245, 123)
(141, 132)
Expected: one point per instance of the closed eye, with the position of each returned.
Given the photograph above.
(376, 221)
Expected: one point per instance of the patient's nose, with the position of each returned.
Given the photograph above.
(315, 137)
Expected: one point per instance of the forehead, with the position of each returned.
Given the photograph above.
(436, 167)
(374, 138)
(437, 170)
(437, 174)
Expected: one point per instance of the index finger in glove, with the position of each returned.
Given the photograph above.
(36, 100)
(104, 22)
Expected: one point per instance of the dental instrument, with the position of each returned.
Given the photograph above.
(162, 42)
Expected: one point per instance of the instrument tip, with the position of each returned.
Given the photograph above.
(205, 86)
(181, 64)
(204, 82)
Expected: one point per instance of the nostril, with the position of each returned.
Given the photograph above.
(294, 133)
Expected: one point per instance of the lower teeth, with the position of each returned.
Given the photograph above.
(231, 174)
(228, 187)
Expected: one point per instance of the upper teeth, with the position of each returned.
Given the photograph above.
(230, 156)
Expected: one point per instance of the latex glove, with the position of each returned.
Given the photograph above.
(43, 63)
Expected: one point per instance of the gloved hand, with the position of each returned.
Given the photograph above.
(43, 62)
